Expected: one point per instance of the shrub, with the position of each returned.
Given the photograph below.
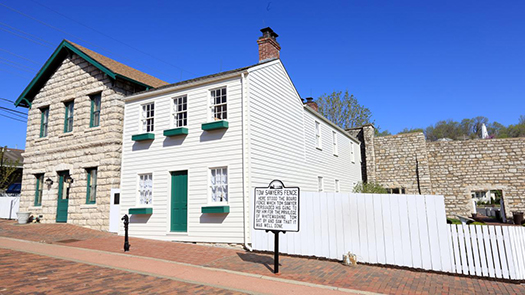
(453, 221)
(369, 188)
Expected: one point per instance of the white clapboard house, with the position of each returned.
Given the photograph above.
(194, 151)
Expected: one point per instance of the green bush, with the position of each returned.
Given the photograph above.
(369, 188)
(453, 221)
(478, 223)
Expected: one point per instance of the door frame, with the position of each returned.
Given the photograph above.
(61, 187)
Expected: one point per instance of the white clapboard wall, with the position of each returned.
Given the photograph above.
(403, 230)
(489, 251)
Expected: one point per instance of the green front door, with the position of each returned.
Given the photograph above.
(63, 197)
(179, 201)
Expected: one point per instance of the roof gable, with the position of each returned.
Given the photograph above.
(110, 67)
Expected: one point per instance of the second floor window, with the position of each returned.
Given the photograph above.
(44, 122)
(334, 141)
(180, 111)
(148, 114)
(318, 135)
(95, 110)
(320, 183)
(68, 122)
(218, 104)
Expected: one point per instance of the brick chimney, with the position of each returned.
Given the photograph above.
(268, 45)
(311, 103)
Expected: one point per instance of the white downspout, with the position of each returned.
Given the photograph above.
(245, 229)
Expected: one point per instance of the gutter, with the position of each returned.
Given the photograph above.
(244, 217)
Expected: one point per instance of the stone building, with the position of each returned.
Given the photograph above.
(74, 135)
(455, 169)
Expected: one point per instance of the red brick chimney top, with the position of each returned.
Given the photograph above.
(311, 103)
(268, 46)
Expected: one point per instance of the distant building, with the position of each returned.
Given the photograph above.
(12, 157)
(460, 170)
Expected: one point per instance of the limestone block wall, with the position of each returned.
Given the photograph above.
(84, 147)
(459, 167)
(400, 159)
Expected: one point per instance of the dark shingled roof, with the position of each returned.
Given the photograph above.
(121, 68)
(14, 155)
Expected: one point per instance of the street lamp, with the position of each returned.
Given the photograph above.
(49, 183)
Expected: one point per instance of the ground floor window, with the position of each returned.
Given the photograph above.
(396, 190)
(91, 196)
(39, 189)
(145, 189)
(219, 184)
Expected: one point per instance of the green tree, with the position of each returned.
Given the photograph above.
(344, 110)
(411, 130)
(8, 170)
(444, 129)
(369, 188)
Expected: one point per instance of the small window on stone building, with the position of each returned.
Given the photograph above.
(396, 190)
(39, 189)
(91, 195)
(44, 120)
(148, 117)
(96, 100)
(68, 122)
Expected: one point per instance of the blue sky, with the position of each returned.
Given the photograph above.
(411, 62)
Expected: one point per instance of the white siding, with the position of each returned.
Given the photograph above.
(196, 152)
(282, 142)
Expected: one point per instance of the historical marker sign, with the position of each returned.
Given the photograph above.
(276, 208)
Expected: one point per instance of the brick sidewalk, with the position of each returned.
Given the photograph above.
(361, 277)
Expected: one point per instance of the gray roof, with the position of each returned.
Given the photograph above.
(14, 155)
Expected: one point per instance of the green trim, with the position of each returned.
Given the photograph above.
(176, 131)
(215, 209)
(143, 136)
(215, 125)
(66, 123)
(25, 99)
(45, 114)
(93, 99)
(140, 211)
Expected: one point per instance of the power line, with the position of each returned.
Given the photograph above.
(23, 32)
(18, 64)
(23, 37)
(13, 111)
(15, 115)
(16, 67)
(8, 100)
(69, 34)
(13, 118)
(110, 37)
(19, 56)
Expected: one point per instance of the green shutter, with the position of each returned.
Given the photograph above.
(91, 117)
(91, 181)
(42, 123)
(65, 119)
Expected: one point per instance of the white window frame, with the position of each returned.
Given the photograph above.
(352, 151)
(144, 117)
(318, 139)
(334, 143)
(175, 112)
(337, 186)
(139, 189)
(212, 105)
(320, 184)
(210, 184)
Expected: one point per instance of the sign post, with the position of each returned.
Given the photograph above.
(276, 210)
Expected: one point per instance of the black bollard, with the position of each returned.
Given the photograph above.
(126, 240)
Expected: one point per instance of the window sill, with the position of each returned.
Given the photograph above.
(216, 209)
(35, 208)
(88, 206)
(319, 148)
(215, 125)
(176, 131)
(336, 155)
(137, 211)
(175, 234)
(40, 139)
(66, 134)
(92, 129)
(143, 137)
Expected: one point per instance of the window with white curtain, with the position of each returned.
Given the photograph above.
(148, 114)
(219, 184)
(145, 189)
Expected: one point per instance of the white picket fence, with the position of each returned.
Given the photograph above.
(489, 251)
(9, 207)
(401, 230)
